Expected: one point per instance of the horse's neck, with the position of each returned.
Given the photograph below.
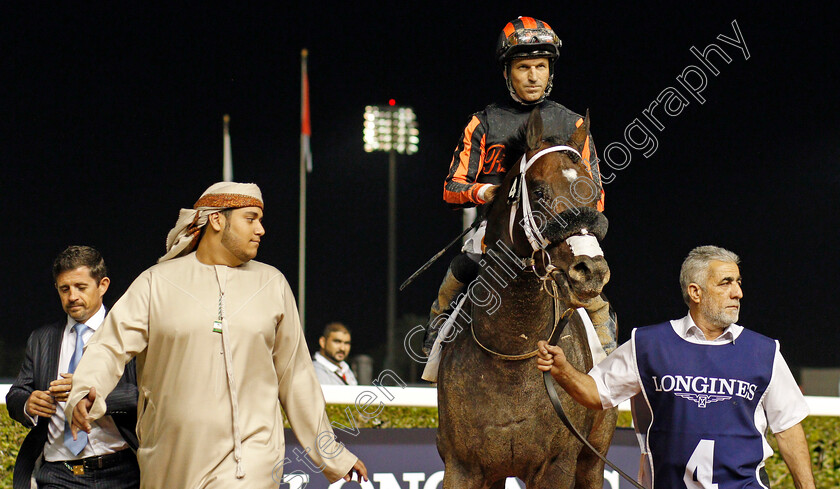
(512, 296)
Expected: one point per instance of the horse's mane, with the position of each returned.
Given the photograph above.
(517, 145)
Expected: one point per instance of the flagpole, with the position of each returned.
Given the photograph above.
(304, 158)
(227, 157)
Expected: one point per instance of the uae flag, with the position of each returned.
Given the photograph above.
(305, 128)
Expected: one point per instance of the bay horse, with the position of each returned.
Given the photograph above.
(495, 419)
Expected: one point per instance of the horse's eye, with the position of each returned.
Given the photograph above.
(538, 193)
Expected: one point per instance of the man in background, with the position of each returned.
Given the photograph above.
(330, 365)
(102, 458)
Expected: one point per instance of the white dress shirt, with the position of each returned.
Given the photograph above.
(104, 437)
(330, 373)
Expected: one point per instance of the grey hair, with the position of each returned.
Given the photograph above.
(695, 268)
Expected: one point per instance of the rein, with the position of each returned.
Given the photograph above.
(567, 314)
(558, 408)
(547, 379)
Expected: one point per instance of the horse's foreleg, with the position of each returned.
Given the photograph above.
(558, 473)
(456, 476)
(590, 469)
(499, 484)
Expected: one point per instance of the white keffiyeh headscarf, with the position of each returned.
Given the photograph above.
(184, 237)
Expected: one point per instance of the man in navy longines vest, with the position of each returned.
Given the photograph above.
(708, 388)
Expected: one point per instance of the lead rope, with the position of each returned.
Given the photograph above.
(558, 408)
(237, 437)
(549, 381)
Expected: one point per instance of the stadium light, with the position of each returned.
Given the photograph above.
(393, 129)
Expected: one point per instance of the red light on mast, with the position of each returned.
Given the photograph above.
(392, 102)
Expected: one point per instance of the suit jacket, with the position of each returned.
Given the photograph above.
(39, 368)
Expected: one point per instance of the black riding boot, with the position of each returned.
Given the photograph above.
(449, 290)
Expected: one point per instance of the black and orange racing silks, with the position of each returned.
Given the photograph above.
(479, 157)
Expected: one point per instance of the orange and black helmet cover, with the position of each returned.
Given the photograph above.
(527, 37)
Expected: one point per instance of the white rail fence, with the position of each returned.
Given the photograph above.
(388, 395)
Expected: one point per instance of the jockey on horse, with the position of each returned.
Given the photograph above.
(528, 49)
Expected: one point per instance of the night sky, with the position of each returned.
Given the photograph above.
(112, 121)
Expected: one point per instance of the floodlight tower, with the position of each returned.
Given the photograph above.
(392, 129)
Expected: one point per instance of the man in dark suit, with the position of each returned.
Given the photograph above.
(49, 454)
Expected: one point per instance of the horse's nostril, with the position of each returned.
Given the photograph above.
(587, 276)
(580, 272)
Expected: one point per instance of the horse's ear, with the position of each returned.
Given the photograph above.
(579, 136)
(534, 130)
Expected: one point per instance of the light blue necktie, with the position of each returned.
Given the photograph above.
(77, 445)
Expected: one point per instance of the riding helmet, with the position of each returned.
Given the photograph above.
(527, 37)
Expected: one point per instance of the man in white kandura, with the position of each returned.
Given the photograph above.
(219, 351)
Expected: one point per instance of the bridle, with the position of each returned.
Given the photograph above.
(519, 193)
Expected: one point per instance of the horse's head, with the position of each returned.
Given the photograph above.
(546, 208)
